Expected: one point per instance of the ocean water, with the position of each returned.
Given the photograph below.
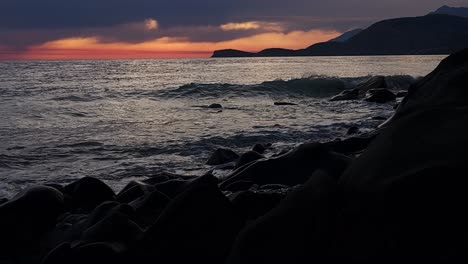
(119, 120)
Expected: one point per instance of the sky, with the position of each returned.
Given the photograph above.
(112, 29)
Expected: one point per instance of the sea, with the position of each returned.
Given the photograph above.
(123, 120)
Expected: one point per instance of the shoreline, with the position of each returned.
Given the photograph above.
(390, 195)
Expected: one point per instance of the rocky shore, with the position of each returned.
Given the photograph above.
(396, 194)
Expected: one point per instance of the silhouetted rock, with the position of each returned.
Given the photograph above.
(352, 130)
(239, 186)
(25, 218)
(247, 158)
(284, 103)
(149, 207)
(361, 89)
(346, 95)
(380, 96)
(87, 193)
(133, 191)
(292, 168)
(198, 226)
(221, 156)
(298, 230)
(253, 204)
(261, 148)
(350, 145)
(215, 106)
(410, 180)
(401, 94)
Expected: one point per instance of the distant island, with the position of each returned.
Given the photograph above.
(441, 32)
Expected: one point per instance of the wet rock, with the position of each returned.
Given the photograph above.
(222, 156)
(401, 94)
(215, 106)
(380, 96)
(346, 95)
(361, 89)
(292, 168)
(352, 130)
(261, 148)
(247, 158)
(88, 192)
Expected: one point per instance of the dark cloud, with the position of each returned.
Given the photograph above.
(28, 22)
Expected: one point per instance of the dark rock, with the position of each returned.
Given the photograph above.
(156, 179)
(444, 87)
(221, 156)
(298, 229)
(350, 145)
(292, 168)
(215, 106)
(274, 187)
(3, 200)
(283, 103)
(113, 223)
(172, 188)
(379, 118)
(401, 94)
(149, 207)
(247, 158)
(26, 217)
(404, 195)
(252, 205)
(346, 95)
(198, 226)
(380, 96)
(261, 148)
(133, 191)
(352, 130)
(361, 89)
(239, 186)
(87, 193)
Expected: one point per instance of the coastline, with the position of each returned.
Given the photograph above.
(369, 197)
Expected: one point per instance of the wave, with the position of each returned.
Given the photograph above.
(313, 86)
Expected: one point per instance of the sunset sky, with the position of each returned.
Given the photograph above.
(105, 29)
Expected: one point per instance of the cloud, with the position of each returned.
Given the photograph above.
(164, 47)
(151, 24)
(253, 25)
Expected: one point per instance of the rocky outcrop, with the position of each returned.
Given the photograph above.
(360, 91)
(380, 95)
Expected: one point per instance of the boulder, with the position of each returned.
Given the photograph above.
(297, 230)
(401, 94)
(26, 218)
(380, 95)
(346, 95)
(361, 89)
(87, 193)
(222, 156)
(406, 193)
(253, 204)
(352, 130)
(292, 168)
(215, 106)
(198, 226)
(247, 158)
(261, 148)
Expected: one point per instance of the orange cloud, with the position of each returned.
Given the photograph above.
(249, 25)
(166, 47)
